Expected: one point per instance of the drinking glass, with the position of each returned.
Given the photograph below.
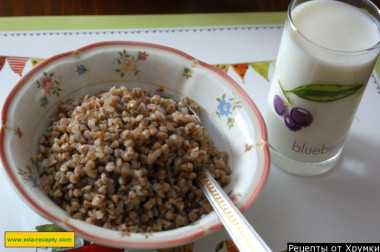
(327, 53)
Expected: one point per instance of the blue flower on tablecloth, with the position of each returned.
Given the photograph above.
(44, 101)
(81, 69)
(224, 107)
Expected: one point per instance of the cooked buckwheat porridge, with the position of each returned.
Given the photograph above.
(126, 160)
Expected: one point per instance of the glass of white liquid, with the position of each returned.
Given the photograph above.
(327, 54)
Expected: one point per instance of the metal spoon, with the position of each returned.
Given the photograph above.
(241, 232)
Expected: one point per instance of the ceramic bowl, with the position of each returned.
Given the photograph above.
(233, 121)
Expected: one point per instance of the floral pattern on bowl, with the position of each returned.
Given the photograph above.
(28, 176)
(50, 85)
(128, 63)
(81, 69)
(226, 107)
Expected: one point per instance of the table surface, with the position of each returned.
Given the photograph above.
(341, 206)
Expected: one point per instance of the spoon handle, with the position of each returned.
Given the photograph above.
(241, 232)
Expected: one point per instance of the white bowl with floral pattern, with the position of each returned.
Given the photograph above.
(233, 120)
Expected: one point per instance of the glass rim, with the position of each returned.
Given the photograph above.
(371, 4)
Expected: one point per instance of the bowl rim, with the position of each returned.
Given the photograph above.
(129, 243)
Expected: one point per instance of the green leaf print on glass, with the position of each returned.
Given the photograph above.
(324, 92)
(299, 117)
